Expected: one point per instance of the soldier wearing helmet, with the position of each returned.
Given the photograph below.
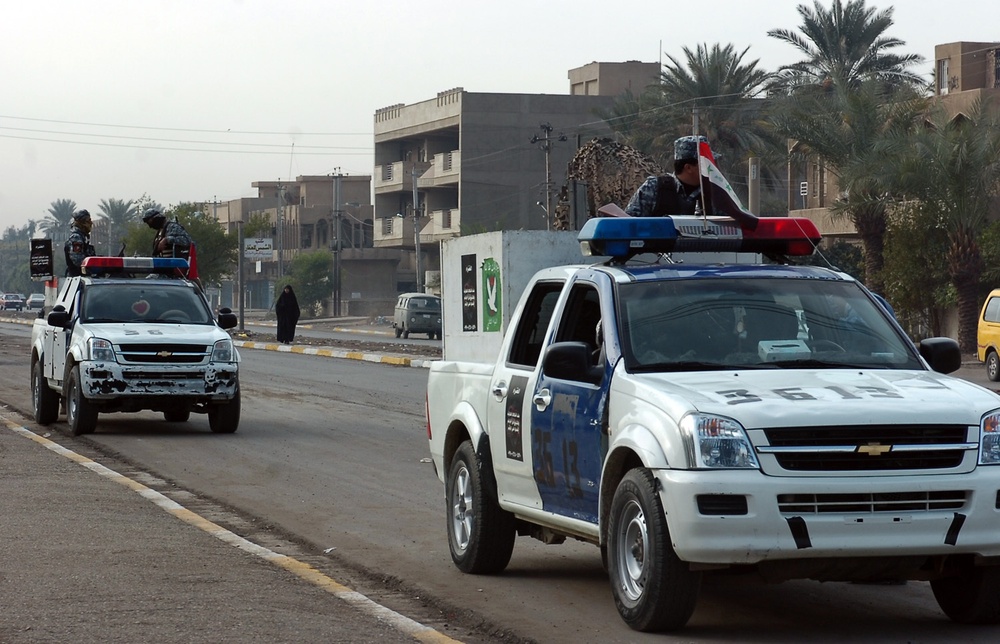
(78, 245)
(171, 239)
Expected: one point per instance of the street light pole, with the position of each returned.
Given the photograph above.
(339, 247)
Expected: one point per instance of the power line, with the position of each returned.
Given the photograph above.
(153, 147)
(177, 129)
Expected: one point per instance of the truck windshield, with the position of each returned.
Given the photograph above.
(145, 301)
(698, 324)
(425, 304)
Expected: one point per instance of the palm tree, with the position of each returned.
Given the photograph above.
(118, 214)
(843, 126)
(724, 89)
(60, 215)
(845, 43)
(950, 170)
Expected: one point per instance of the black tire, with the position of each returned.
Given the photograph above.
(406, 333)
(993, 366)
(653, 589)
(225, 418)
(971, 597)
(480, 533)
(399, 332)
(81, 415)
(177, 415)
(44, 401)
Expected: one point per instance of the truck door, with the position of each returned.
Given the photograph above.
(509, 403)
(568, 440)
(56, 339)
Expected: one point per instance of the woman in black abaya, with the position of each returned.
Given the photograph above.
(287, 310)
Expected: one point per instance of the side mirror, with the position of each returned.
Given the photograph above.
(58, 316)
(227, 319)
(942, 354)
(571, 361)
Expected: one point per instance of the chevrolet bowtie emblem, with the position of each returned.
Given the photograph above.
(874, 449)
(164, 354)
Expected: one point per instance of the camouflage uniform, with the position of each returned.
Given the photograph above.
(178, 240)
(77, 247)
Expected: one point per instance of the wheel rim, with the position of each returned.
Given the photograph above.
(35, 393)
(461, 509)
(632, 546)
(71, 403)
(992, 364)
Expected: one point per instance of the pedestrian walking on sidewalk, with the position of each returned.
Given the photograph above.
(287, 310)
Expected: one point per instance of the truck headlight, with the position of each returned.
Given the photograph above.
(101, 350)
(989, 439)
(716, 442)
(223, 351)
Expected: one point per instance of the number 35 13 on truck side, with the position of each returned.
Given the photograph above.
(693, 416)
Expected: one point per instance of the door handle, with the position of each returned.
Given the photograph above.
(500, 390)
(542, 399)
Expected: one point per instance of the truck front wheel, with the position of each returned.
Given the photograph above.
(44, 401)
(653, 589)
(80, 413)
(480, 533)
(971, 597)
(225, 418)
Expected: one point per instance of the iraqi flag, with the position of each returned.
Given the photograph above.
(192, 264)
(720, 199)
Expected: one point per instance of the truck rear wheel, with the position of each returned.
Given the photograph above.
(80, 413)
(972, 596)
(480, 533)
(45, 402)
(653, 589)
(993, 366)
(225, 418)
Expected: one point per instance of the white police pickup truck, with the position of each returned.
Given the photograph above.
(691, 417)
(131, 334)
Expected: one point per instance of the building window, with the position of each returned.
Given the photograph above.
(447, 161)
(446, 218)
(942, 76)
(387, 226)
(387, 172)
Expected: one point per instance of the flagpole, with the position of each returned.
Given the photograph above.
(701, 176)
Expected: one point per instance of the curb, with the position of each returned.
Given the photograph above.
(397, 360)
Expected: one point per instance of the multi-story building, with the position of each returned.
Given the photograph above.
(475, 162)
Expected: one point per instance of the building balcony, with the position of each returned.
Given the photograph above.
(396, 177)
(443, 224)
(397, 232)
(444, 170)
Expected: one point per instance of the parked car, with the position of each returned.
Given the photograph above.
(13, 302)
(418, 313)
(35, 301)
(988, 335)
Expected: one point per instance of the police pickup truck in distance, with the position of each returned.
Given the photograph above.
(132, 334)
(689, 417)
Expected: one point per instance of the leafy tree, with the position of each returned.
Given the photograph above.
(15, 249)
(117, 214)
(257, 225)
(915, 273)
(846, 43)
(60, 215)
(216, 251)
(309, 275)
(951, 170)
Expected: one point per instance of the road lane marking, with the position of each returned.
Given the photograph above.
(300, 569)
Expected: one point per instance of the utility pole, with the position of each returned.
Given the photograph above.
(546, 146)
(281, 229)
(339, 243)
(239, 270)
(416, 232)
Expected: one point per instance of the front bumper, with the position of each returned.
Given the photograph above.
(203, 383)
(767, 532)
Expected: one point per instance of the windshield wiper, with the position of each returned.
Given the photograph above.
(812, 362)
(688, 365)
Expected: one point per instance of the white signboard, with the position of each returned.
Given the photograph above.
(258, 249)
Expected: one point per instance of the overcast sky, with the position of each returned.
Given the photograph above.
(191, 100)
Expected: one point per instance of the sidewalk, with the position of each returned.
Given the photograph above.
(87, 554)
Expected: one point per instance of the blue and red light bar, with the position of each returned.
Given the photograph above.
(624, 237)
(145, 265)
